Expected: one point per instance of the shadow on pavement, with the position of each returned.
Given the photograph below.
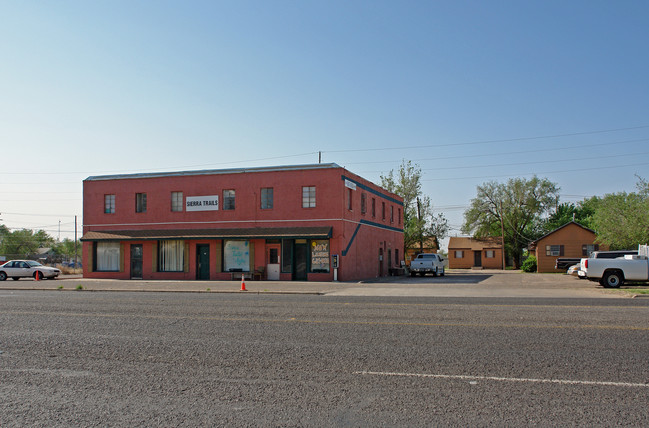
(429, 279)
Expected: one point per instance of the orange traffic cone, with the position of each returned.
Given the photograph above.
(243, 284)
(37, 275)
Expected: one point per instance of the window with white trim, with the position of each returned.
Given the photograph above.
(554, 250)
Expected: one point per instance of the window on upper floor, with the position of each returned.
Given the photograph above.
(228, 199)
(308, 197)
(383, 210)
(109, 204)
(363, 203)
(140, 202)
(350, 199)
(267, 198)
(391, 213)
(176, 201)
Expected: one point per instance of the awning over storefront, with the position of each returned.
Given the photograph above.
(317, 232)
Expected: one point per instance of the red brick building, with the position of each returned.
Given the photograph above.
(283, 223)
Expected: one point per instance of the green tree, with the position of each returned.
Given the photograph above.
(420, 221)
(515, 208)
(66, 248)
(23, 242)
(621, 219)
(581, 212)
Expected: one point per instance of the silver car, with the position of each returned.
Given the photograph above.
(16, 269)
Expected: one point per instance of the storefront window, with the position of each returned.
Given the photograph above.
(108, 256)
(320, 255)
(171, 256)
(236, 256)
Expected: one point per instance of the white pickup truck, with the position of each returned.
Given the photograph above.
(427, 263)
(611, 273)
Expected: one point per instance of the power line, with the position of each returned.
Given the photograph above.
(524, 152)
(535, 162)
(535, 173)
(489, 141)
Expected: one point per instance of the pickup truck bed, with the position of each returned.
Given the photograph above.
(612, 273)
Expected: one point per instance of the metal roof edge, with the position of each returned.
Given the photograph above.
(305, 167)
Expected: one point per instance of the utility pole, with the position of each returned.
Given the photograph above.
(75, 243)
(421, 237)
(502, 232)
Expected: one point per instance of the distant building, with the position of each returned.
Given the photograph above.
(430, 246)
(572, 240)
(282, 223)
(471, 253)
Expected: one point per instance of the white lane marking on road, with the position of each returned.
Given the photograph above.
(508, 379)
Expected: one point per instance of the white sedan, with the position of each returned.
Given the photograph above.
(16, 269)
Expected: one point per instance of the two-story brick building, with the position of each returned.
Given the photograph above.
(282, 223)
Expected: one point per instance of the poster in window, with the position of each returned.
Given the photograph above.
(320, 256)
(236, 256)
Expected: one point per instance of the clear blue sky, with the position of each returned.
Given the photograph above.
(471, 91)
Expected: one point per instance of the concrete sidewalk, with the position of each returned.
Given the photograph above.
(457, 283)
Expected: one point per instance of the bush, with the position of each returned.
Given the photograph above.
(529, 265)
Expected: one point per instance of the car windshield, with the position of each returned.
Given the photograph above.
(32, 263)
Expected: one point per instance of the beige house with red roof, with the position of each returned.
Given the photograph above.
(472, 253)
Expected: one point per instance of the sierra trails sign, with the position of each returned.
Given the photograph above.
(202, 203)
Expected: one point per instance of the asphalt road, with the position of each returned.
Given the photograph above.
(209, 359)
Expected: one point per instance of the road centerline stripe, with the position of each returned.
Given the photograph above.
(506, 379)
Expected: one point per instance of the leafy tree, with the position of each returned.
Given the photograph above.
(515, 208)
(420, 221)
(23, 242)
(621, 219)
(67, 248)
(581, 212)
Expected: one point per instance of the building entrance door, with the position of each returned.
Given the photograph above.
(136, 261)
(272, 262)
(477, 258)
(202, 261)
(301, 259)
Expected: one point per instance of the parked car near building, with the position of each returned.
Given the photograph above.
(16, 269)
(612, 273)
(427, 263)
